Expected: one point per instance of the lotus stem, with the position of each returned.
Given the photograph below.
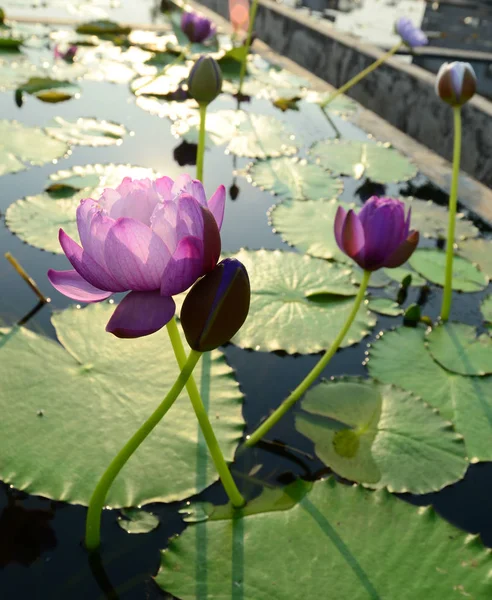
(96, 504)
(308, 381)
(228, 482)
(453, 203)
(252, 17)
(201, 142)
(26, 277)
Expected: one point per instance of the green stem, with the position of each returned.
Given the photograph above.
(314, 374)
(201, 414)
(201, 142)
(362, 74)
(96, 504)
(453, 202)
(252, 17)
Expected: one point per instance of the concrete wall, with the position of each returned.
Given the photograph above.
(401, 94)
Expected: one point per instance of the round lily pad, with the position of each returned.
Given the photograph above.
(21, 145)
(459, 349)
(308, 226)
(49, 90)
(431, 264)
(486, 309)
(298, 303)
(385, 306)
(350, 543)
(135, 520)
(37, 219)
(291, 178)
(381, 436)
(378, 162)
(401, 357)
(86, 131)
(478, 252)
(74, 403)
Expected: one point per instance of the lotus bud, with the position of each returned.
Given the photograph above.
(216, 306)
(205, 80)
(456, 83)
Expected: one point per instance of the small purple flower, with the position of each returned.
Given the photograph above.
(66, 55)
(456, 83)
(151, 238)
(379, 236)
(412, 35)
(196, 28)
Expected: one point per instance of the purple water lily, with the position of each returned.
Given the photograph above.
(456, 83)
(379, 236)
(196, 28)
(151, 238)
(67, 55)
(412, 35)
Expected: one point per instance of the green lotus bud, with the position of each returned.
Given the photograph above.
(216, 306)
(205, 80)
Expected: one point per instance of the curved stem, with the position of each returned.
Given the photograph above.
(201, 143)
(201, 414)
(362, 74)
(453, 203)
(96, 504)
(252, 17)
(314, 373)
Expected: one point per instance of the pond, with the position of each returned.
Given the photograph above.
(285, 173)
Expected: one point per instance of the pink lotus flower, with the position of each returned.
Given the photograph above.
(239, 15)
(151, 238)
(379, 236)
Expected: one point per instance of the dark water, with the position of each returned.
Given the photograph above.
(41, 555)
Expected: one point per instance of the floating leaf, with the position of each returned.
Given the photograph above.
(378, 279)
(381, 436)
(298, 303)
(49, 90)
(37, 219)
(486, 309)
(402, 358)
(399, 273)
(21, 145)
(478, 252)
(296, 179)
(309, 227)
(341, 105)
(285, 104)
(385, 306)
(15, 69)
(102, 27)
(10, 43)
(458, 348)
(135, 520)
(350, 543)
(161, 85)
(431, 264)
(94, 391)
(376, 161)
(230, 63)
(87, 132)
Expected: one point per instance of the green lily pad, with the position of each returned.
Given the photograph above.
(385, 306)
(458, 348)
(378, 279)
(49, 90)
(291, 178)
(381, 436)
(308, 226)
(401, 357)
(431, 264)
(160, 86)
(15, 69)
(37, 219)
(21, 146)
(102, 27)
(7, 42)
(298, 303)
(399, 273)
(341, 105)
(350, 543)
(486, 309)
(94, 391)
(378, 162)
(87, 132)
(479, 252)
(135, 520)
(231, 61)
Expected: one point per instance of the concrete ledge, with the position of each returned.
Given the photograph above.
(402, 94)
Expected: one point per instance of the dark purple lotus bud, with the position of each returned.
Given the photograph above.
(216, 306)
(205, 80)
(456, 83)
(196, 28)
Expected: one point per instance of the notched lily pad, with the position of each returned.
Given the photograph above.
(87, 131)
(378, 162)
(381, 436)
(136, 520)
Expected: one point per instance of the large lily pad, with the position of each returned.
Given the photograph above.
(75, 403)
(431, 264)
(378, 162)
(478, 252)
(87, 132)
(381, 436)
(349, 543)
(37, 219)
(49, 90)
(291, 178)
(402, 358)
(458, 348)
(21, 146)
(298, 303)
(309, 227)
